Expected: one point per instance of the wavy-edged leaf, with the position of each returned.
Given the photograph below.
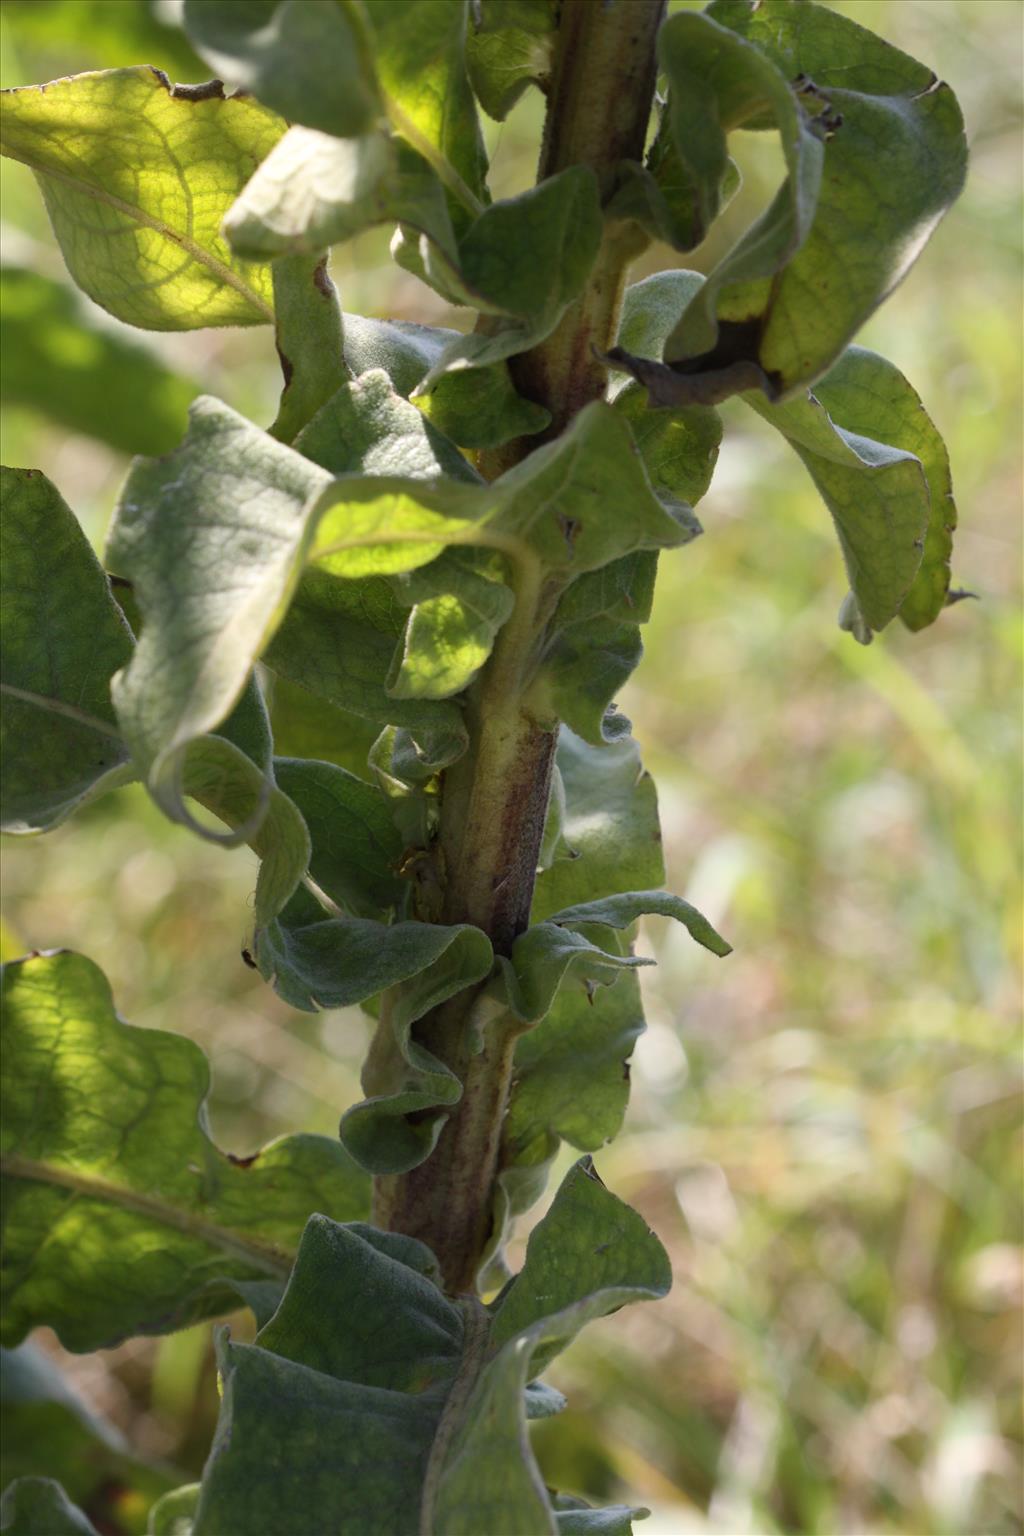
(526, 258)
(867, 397)
(894, 161)
(356, 847)
(307, 726)
(622, 911)
(546, 956)
(368, 428)
(38, 1506)
(572, 1070)
(459, 605)
(305, 59)
(310, 341)
(49, 1431)
(584, 667)
(57, 360)
(210, 537)
(859, 434)
(508, 50)
(63, 638)
(428, 1433)
(475, 407)
(137, 175)
(174, 1513)
(609, 836)
(121, 1216)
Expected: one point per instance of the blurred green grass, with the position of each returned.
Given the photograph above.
(825, 1129)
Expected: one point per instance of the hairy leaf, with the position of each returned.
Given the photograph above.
(356, 847)
(368, 428)
(63, 637)
(458, 607)
(883, 473)
(308, 332)
(121, 1216)
(609, 837)
(894, 161)
(307, 726)
(546, 956)
(306, 60)
(424, 1397)
(137, 175)
(209, 537)
(507, 50)
(56, 359)
(621, 911)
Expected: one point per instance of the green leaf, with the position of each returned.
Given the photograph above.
(48, 1429)
(419, 51)
(122, 1217)
(314, 962)
(210, 538)
(140, 230)
(546, 955)
(63, 637)
(306, 60)
(610, 839)
(307, 726)
(367, 428)
(662, 195)
(310, 343)
(475, 407)
(38, 1506)
(572, 1069)
(103, 33)
(526, 258)
(459, 605)
(356, 847)
(429, 1433)
(868, 396)
(55, 359)
(174, 1513)
(884, 504)
(584, 667)
(876, 206)
(575, 1517)
(507, 50)
(622, 910)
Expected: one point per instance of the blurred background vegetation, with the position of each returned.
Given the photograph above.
(824, 1130)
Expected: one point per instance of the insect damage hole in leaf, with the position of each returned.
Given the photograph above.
(380, 641)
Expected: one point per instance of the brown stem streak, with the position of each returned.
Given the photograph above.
(495, 798)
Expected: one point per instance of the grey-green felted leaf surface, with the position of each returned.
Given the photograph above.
(719, 81)
(547, 957)
(56, 359)
(888, 505)
(506, 52)
(609, 837)
(137, 175)
(419, 51)
(526, 258)
(459, 605)
(584, 667)
(309, 339)
(307, 726)
(622, 911)
(475, 407)
(356, 847)
(49, 1431)
(400, 1409)
(63, 636)
(572, 1070)
(575, 1517)
(339, 640)
(663, 195)
(895, 160)
(38, 1506)
(313, 190)
(121, 1216)
(305, 59)
(367, 427)
(211, 538)
(867, 395)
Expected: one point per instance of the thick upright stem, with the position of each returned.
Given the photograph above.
(495, 797)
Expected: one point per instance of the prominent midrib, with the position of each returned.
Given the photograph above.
(198, 253)
(59, 707)
(272, 1259)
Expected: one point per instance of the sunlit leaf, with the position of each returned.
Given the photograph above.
(508, 49)
(308, 333)
(63, 637)
(137, 175)
(122, 1216)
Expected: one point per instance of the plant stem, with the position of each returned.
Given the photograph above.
(495, 798)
